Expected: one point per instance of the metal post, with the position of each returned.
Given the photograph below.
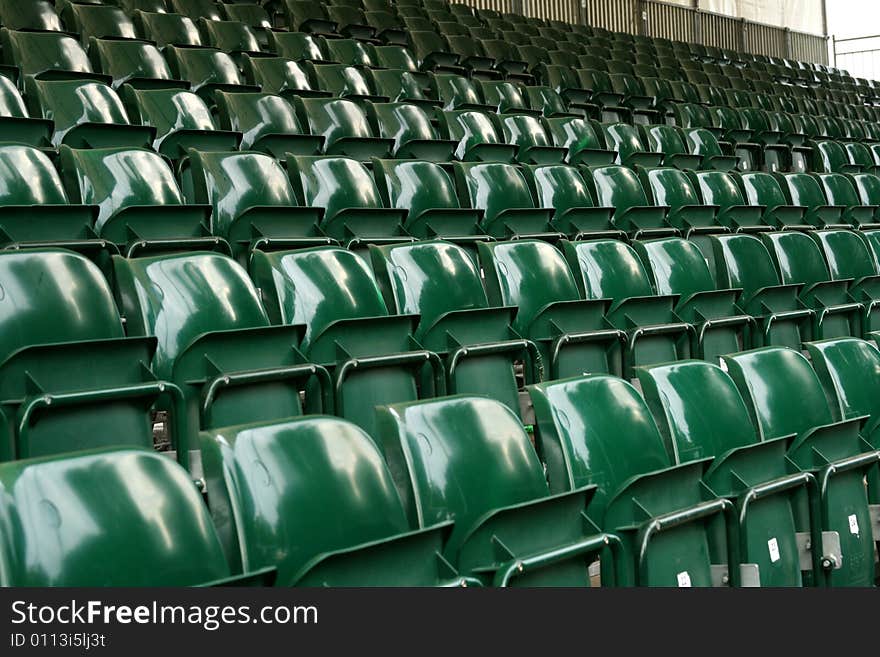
(698, 24)
(743, 35)
(787, 35)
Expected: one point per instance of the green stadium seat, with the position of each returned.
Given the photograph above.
(804, 190)
(831, 157)
(230, 36)
(253, 204)
(351, 52)
(415, 137)
(529, 135)
(753, 474)
(597, 430)
(332, 517)
(860, 155)
(344, 127)
(100, 21)
(71, 379)
(351, 22)
(611, 270)
(432, 51)
(267, 123)
(501, 192)
(666, 140)
(427, 193)
(457, 92)
(626, 141)
(215, 341)
(207, 70)
(347, 193)
(16, 125)
(137, 63)
(282, 76)
(671, 188)
(371, 354)
(850, 258)
(401, 86)
(36, 15)
(847, 368)
(308, 16)
(572, 334)
(345, 82)
(505, 97)
(762, 189)
(440, 282)
(298, 46)
(46, 55)
(130, 494)
(841, 192)
(800, 262)
(140, 207)
(703, 142)
(719, 189)
(168, 29)
(578, 136)
(207, 9)
(389, 28)
(476, 135)
(181, 119)
(618, 187)
(85, 114)
(678, 268)
(785, 399)
(743, 262)
(546, 537)
(562, 188)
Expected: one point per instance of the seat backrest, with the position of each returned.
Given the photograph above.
(11, 102)
(676, 266)
(97, 510)
(664, 139)
(616, 187)
(402, 122)
(868, 188)
(608, 269)
(118, 178)
(168, 29)
(742, 261)
(761, 188)
(94, 20)
(623, 138)
(595, 429)
(180, 297)
(849, 369)
(523, 130)
(256, 115)
(718, 188)
(70, 103)
(492, 187)
(233, 183)
(669, 187)
(169, 111)
(129, 61)
(558, 186)
(798, 258)
(53, 296)
(529, 274)
(803, 189)
(429, 279)
(230, 36)
(203, 67)
(316, 287)
(573, 133)
(329, 489)
(846, 253)
(414, 186)
(27, 177)
(333, 183)
(781, 390)
(469, 128)
(44, 54)
(838, 189)
(458, 457)
(298, 46)
(33, 15)
(698, 409)
(276, 75)
(333, 118)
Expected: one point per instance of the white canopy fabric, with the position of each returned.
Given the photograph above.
(798, 15)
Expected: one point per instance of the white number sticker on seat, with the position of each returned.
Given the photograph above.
(853, 524)
(684, 580)
(773, 546)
